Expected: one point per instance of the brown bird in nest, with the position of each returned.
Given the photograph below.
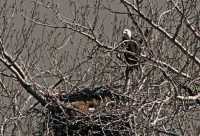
(87, 99)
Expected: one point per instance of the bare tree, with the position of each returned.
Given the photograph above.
(50, 50)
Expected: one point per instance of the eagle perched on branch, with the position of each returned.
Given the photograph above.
(131, 46)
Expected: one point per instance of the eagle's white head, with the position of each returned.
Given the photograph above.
(126, 34)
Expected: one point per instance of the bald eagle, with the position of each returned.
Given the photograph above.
(131, 46)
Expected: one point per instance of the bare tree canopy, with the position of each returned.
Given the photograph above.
(99, 67)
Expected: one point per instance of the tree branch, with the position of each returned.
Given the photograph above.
(163, 31)
(7, 60)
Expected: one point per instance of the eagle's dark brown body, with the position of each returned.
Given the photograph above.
(86, 99)
(132, 46)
